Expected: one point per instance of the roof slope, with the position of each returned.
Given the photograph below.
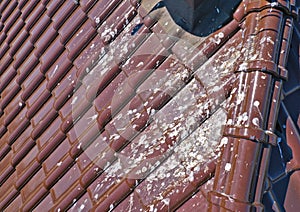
(109, 105)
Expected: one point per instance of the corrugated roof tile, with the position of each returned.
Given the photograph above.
(44, 40)
(13, 108)
(35, 18)
(71, 25)
(18, 130)
(62, 14)
(3, 5)
(42, 113)
(21, 153)
(58, 172)
(55, 158)
(65, 182)
(101, 10)
(44, 123)
(51, 54)
(23, 52)
(17, 42)
(27, 8)
(13, 17)
(100, 78)
(82, 37)
(57, 70)
(34, 198)
(69, 198)
(15, 30)
(7, 77)
(49, 133)
(5, 14)
(86, 5)
(15, 205)
(8, 95)
(53, 6)
(27, 66)
(17, 145)
(83, 203)
(9, 195)
(39, 28)
(45, 204)
(6, 61)
(32, 185)
(25, 166)
(33, 80)
(4, 48)
(50, 146)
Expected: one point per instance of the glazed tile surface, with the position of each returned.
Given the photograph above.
(109, 105)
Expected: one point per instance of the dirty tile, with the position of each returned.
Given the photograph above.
(109, 105)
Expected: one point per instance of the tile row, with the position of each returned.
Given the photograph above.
(37, 76)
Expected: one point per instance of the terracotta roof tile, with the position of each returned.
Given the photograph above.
(36, 18)
(62, 13)
(82, 203)
(82, 37)
(4, 48)
(17, 145)
(17, 42)
(60, 67)
(50, 146)
(3, 5)
(45, 204)
(12, 109)
(15, 204)
(71, 25)
(101, 10)
(30, 62)
(13, 17)
(8, 10)
(27, 8)
(109, 105)
(5, 147)
(7, 77)
(26, 147)
(86, 5)
(5, 61)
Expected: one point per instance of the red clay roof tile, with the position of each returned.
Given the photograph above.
(108, 106)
